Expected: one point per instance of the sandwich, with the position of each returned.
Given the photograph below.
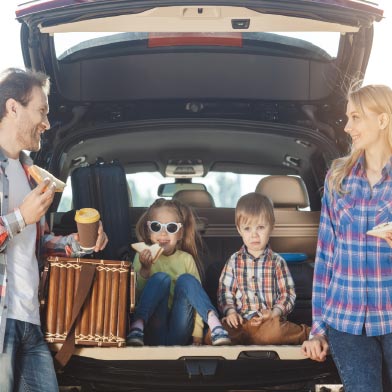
(155, 249)
(40, 174)
(381, 230)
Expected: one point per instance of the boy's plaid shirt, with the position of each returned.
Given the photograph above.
(248, 284)
(11, 223)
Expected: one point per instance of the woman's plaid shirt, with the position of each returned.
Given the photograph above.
(352, 284)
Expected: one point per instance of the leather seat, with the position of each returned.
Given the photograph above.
(195, 198)
(286, 192)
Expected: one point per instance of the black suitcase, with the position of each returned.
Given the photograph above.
(103, 186)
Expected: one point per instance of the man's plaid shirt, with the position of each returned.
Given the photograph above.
(11, 223)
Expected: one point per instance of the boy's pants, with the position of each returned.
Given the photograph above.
(266, 331)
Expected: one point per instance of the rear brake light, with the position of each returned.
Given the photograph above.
(194, 39)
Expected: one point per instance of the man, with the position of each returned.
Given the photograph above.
(25, 360)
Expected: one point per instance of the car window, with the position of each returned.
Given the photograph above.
(327, 42)
(225, 188)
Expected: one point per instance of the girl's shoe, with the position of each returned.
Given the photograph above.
(220, 337)
(135, 337)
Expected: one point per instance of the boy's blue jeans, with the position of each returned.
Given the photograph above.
(364, 362)
(26, 363)
(164, 326)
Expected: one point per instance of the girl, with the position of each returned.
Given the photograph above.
(169, 289)
(352, 308)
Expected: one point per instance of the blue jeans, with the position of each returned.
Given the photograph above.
(26, 363)
(164, 326)
(364, 362)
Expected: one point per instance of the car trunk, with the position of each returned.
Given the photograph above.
(163, 75)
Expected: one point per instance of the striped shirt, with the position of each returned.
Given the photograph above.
(248, 284)
(11, 223)
(352, 285)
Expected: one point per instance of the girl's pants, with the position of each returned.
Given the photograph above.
(164, 326)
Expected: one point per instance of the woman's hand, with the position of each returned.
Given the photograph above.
(388, 238)
(316, 348)
(233, 319)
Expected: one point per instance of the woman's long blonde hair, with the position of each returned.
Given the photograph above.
(376, 98)
(190, 241)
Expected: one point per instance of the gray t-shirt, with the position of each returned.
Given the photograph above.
(22, 266)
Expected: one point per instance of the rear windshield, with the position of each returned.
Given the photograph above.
(322, 43)
(225, 188)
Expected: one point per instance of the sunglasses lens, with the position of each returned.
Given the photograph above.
(172, 228)
(155, 227)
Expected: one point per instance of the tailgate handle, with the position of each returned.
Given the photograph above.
(197, 368)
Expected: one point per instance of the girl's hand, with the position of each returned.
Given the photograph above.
(197, 341)
(233, 319)
(316, 348)
(145, 258)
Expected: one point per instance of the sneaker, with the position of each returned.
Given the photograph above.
(135, 337)
(220, 337)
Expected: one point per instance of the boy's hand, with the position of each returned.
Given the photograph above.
(233, 319)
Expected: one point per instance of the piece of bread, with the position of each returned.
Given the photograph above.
(155, 249)
(40, 174)
(380, 230)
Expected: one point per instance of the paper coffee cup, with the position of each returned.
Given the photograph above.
(87, 221)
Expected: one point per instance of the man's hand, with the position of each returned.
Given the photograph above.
(102, 239)
(37, 202)
(233, 319)
(316, 348)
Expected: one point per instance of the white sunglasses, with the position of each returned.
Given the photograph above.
(171, 227)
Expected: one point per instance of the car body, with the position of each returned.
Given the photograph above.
(184, 89)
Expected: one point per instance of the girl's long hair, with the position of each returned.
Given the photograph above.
(190, 241)
(376, 98)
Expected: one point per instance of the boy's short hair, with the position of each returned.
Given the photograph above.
(253, 205)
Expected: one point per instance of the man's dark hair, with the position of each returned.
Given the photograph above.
(18, 84)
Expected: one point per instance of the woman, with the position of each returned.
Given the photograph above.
(352, 286)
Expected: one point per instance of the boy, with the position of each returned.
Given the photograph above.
(256, 290)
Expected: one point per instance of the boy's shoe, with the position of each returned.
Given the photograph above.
(135, 337)
(220, 337)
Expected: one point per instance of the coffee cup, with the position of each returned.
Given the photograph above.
(87, 221)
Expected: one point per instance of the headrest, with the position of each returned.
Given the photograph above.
(195, 198)
(284, 191)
